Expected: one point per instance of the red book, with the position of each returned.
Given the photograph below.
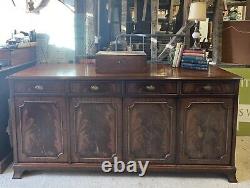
(194, 54)
(194, 51)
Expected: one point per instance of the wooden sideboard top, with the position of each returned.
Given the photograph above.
(87, 72)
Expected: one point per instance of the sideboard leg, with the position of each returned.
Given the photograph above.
(232, 177)
(18, 173)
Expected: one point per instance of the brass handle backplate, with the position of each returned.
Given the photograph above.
(94, 88)
(208, 88)
(39, 87)
(150, 88)
(121, 61)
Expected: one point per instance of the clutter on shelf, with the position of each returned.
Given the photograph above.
(21, 39)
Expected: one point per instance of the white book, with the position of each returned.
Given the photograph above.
(177, 49)
(178, 62)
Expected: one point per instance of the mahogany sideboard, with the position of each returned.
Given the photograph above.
(70, 117)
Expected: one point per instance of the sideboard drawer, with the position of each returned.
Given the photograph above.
(207, 87)
(38, 86)
(96, 88)
(151, 87)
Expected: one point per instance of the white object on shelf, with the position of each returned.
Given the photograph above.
(204, 29)
(26, 44)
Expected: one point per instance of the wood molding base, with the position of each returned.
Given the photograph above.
(228, 171)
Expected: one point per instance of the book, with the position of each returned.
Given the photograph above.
(194, 65)
(195, 68)
(192, 58)
(178, 62)
(194, 51)
(195, 62)
(177, 49)
(193, 54)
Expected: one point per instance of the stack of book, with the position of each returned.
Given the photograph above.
(178, 54)
(194, 59)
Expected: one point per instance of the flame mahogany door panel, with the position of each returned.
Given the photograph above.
(96, 129)
(206, 130)
(150, 125)
(41, 129)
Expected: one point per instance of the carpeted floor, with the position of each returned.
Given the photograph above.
(83, 180)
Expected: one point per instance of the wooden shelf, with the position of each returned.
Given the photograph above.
(237, 3)
(162, 19)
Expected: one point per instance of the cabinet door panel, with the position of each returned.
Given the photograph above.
(41, 129)
(150, 129)
(96, 129)
(206, 130)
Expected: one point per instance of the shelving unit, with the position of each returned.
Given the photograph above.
(136, 24)
(163, 6)
(237, 3)
(241, 7)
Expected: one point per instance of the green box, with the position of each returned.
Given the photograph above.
(244, 100)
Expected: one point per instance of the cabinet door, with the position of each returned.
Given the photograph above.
(150, 126)
(41, 129)
(206, 130)
(96, 129)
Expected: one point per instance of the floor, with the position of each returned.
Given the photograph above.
(81, 180)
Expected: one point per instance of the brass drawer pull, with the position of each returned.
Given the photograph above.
(207, 88)
(39, 87)
(150, 88)
(94, 88)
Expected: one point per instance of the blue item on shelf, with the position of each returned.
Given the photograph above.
(193, 58)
